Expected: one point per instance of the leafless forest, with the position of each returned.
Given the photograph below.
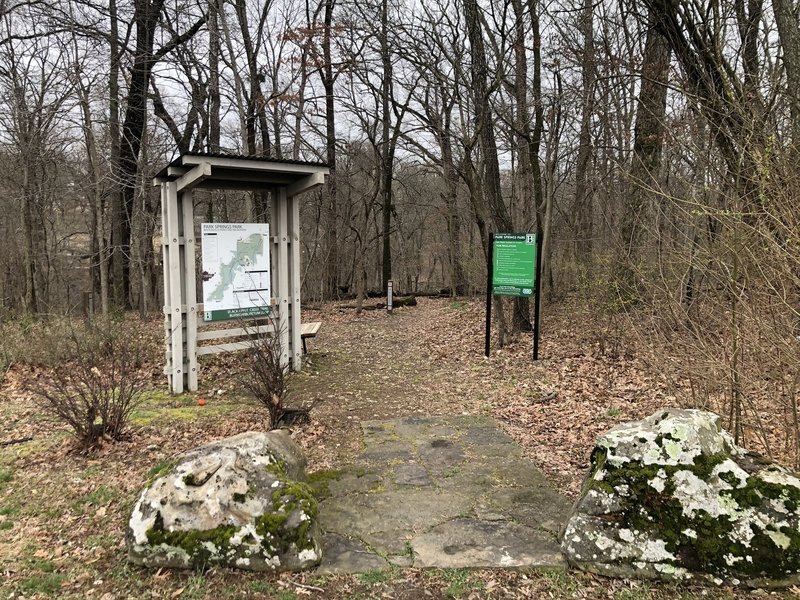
(654, 145)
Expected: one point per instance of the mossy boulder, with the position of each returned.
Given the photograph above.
(672, 497)
(238, 502)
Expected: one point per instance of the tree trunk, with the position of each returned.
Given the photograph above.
(31, 289)
(331, 204)
(521, 315)
(146, 17)
(256, 117)
(789, 33)
(542, 207)
(213, 76)
(584, 204)
(483, 116)
(458, 284)
(648, 141)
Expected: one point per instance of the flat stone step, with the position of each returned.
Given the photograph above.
(446, 492)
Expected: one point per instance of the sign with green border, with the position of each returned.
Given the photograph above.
(514, 264)
(236, 271)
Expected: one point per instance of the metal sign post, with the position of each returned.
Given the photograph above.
(537, 296)
(489, 276)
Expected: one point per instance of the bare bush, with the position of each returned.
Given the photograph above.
(265, 377)
(720, 306)
(94, 384)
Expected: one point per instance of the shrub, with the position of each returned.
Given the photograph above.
(94, 384)
(265, 377)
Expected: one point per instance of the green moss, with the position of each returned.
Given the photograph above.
(194, 542)
(320, 481)
(290, 498)
(239, 497)
(705, 465)
(277, 468)
(160, 469)
(647, 509)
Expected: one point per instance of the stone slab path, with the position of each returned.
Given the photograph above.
(440, 492)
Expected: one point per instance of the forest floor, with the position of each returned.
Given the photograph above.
(63, 512)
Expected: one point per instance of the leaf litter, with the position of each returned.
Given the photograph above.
(67, 511)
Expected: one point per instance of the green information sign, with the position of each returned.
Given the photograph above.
(514, 264)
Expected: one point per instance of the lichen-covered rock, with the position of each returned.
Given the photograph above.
(672, 497)
(239, 502)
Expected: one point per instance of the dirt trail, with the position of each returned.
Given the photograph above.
(428, 360)
(377, 367)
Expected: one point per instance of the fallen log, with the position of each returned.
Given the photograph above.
(396, 302)
(21, 440)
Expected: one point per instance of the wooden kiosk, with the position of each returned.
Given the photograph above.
(286, 179)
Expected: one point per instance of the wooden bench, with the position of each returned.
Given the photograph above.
(308, 330)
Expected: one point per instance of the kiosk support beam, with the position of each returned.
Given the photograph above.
(180, 295)
(280, 225)
(295, 339)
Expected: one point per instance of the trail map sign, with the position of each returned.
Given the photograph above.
(236, 277)
(514, 268)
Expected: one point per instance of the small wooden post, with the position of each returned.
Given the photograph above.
(88, 305)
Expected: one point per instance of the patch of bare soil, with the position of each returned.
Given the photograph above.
(63, 513)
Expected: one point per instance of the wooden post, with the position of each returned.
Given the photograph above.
(295, 340)
(189, 272)
(171, 238)
(167, 284)
(389, 290)
(280, 275)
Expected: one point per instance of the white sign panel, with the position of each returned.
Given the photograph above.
(236, 278)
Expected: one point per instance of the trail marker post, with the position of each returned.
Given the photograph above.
(389, 291)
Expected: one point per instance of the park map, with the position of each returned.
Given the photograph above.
(236, 270)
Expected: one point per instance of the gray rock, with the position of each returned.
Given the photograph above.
(347, 555)
(475, 543)
(440, 492)
(411, 474)
(672, 497)
(237, 502)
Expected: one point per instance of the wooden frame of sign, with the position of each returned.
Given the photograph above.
(286, 179)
